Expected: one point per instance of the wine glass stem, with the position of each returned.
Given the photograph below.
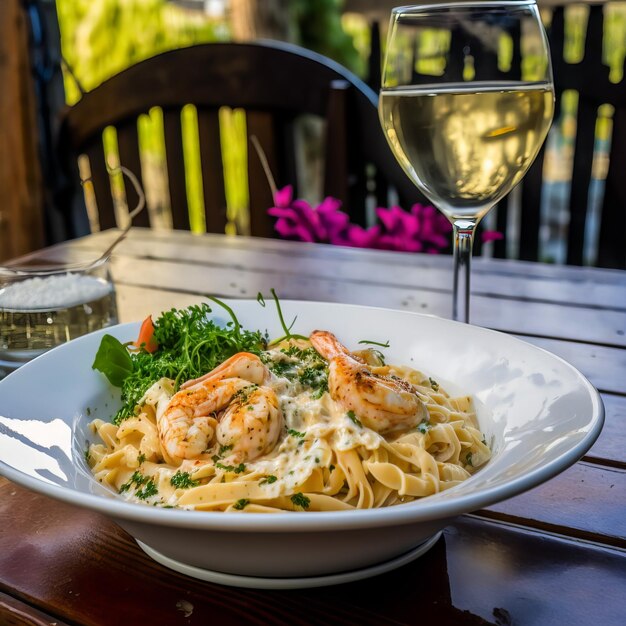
(463, 242)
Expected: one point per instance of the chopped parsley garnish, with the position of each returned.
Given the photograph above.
(305, 366)
(141, 458)
(183, 480)
(136, 479)
(354, 418)
(468, 459)
(144, 486)
(299, 499)
(294, 351)
(314, 377)
(434, 384)
(423, 426)
(225, 449)
(149, 489)
(283, 369)
(87, 455)
(241, 504)
(295, 433)
(268, 480)
(237, 469)
(243, 395)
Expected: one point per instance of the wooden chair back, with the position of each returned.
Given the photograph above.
(275, 83)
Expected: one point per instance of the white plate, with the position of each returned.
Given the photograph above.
(540, 414)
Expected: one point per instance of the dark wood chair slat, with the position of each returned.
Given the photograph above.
(261, 125)
(336, 173)
(612, 246)
(176, 167)
(583, 160)
(212, 170)
(101, 184)
(531, 210)
(128, 147)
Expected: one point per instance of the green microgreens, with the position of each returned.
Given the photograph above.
(260, 299)
(287, 329)
(189, 345)
(233, 317)
(375, 343)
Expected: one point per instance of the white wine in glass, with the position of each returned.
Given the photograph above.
(465, 138)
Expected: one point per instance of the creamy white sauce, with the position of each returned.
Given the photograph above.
(313, 424)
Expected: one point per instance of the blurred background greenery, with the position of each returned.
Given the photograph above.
(100, 39)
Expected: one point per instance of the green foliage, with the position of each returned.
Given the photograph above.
(113, 360)
(319, 28)
(100, 38)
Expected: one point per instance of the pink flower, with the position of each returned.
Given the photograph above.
(283, 197)
(422, 229)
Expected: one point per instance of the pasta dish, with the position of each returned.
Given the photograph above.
(303, 424)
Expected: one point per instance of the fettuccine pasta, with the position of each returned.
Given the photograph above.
(300, 439)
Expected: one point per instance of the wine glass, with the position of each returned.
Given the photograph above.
(466, 102)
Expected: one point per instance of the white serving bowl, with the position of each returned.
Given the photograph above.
(539, 413)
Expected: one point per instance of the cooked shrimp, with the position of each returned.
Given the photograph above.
(241, 365)
(187, 426)
(251, 424)
(382, 403)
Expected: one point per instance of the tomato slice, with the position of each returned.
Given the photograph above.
(146, 338)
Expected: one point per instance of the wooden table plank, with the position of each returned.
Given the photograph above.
(504, 267)
(543, 319)
(493, 279)
(586, 501)
(611, 445)
(603, 366)
(80, 565)
(16, 613)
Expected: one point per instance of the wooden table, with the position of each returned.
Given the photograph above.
(554, 555)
